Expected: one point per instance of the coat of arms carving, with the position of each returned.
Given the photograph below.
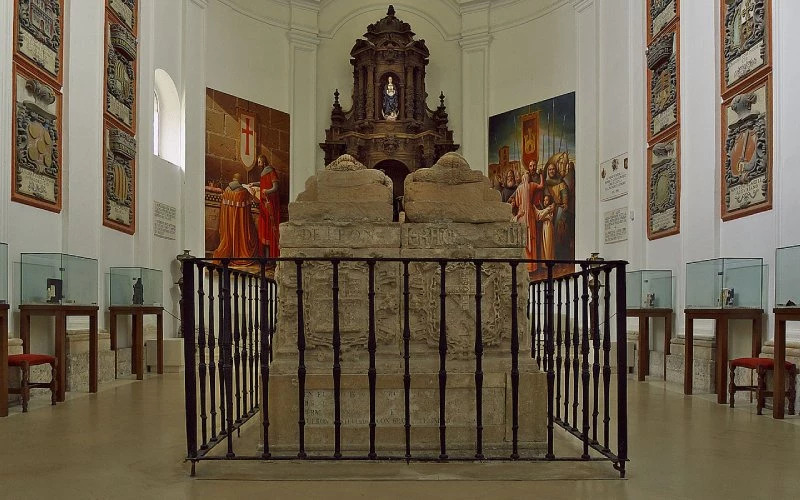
(745, 40)
(39, 30)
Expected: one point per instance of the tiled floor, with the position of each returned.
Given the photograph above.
(128, 442)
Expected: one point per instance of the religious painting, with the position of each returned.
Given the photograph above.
(532, 165)
(663, 99)
(745, 35)
(664, 188)
(126, 12)
(119, 179)
(36, 152)
(660, 15)
(120, 81)
(39, 36)
(747, 151)
(247, 177)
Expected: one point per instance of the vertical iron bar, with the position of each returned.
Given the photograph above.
(406, 359)
(201, 348)
(479, 364)
(273, 313)
(258, 306)
(264, 358)
(301, 363)
(576, 335)
(607, 359)
(539, 325)
(223, 407)
(585, 359)
(622, 364)
(227, 355)
(190, 382)
(371, 347)
(558, 351)
(212, 382)
(549, 348)
(235, 320)
(243, 359)
(514, 365)
(442, 360)
(250, 359)
(337, 368)
(531, 317)
(567, 359)
(595, 320)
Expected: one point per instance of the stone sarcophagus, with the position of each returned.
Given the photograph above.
(453, 215)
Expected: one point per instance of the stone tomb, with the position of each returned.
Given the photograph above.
(327, 222)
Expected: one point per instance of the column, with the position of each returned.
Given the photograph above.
(475, 41)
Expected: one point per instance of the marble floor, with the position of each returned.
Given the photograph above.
(127, 441)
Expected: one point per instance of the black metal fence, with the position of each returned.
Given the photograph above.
(229, 314)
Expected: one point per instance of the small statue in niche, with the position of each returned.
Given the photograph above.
(391, 108)
(138, 293)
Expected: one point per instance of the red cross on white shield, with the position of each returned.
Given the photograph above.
(247, 140)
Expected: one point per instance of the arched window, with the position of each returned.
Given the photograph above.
(167, 123)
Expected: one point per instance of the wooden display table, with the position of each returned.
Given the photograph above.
(721, 318)
(61, 313)
(3, 360)
(782, 315)
(137, 314)
(644, 316)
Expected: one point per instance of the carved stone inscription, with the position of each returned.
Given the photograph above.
(459, 407)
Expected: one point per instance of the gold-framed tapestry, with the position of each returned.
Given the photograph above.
(664, 187)
(39, 37)
(745, 41)
(36, 138)
(746, 179)
(663, 84)
(119, 178)
(660, 15)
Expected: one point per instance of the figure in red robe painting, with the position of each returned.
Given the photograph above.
(237, 231)
(270, 217)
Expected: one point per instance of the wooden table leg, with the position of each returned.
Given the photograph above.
(93, 352)
(25, 331)
(61, 355)
(756, 340)
(160, 342)
(667, 339)
(112, 334)
(138, 340)
(721, 329)
(779, 389)
(644, 348)
(3, 365)
(688, 358)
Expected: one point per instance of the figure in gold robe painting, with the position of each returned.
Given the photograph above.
(237, 231)
(270, 213)
(538, 142)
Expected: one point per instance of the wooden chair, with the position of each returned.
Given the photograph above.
(762, 366)
(24, 362)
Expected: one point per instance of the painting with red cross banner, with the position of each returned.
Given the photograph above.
(247, 172)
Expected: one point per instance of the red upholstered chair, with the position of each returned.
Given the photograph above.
(762, 366)
(24, 362)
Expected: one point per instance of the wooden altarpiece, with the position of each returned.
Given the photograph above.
(417, 136)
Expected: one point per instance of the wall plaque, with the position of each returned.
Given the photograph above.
(39, 36)
(747, 151)
(745, 34)
(164, 220)
(614, 178)
(36, 155)
(664, 188)
(615, 224)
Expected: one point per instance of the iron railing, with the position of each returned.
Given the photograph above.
(230, 313)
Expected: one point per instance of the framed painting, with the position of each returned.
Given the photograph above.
(120, 80)
(119, 179)
(660, 15)
(745, 46)
(36, 138)
(664, 187)
(126, 12)
(39, 37)
(663, 87)
(747, 151)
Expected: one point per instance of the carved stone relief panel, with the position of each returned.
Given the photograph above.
(119, 179)
(745, 26)
(120, 100)
(663, 97)
(663, 188)
(39, 36)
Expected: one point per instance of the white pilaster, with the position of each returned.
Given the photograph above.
(6, 49)
(475, 41)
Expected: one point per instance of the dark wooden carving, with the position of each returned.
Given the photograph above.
(418, 136)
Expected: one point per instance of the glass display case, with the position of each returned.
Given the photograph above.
(3, 273)
(787, 277)
(135, 286)
(649, 289)
(57, 278)
(725, 283)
